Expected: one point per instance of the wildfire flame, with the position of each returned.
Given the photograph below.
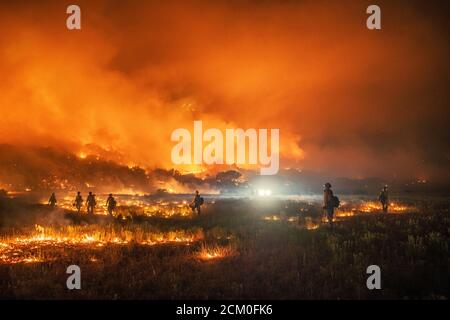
(216, 252)
(133, 206)
(21, 249)
(346, 210)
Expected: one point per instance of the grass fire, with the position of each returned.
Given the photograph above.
(236, 247)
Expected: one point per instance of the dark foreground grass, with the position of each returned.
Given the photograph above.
(267, 260)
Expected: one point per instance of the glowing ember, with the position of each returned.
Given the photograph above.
(310, 225)
(280, 218)
(216, 252)
(343, 214)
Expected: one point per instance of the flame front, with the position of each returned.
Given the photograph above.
(28, 248)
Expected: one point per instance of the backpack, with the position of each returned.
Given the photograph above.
(335, 202)
(201, 201)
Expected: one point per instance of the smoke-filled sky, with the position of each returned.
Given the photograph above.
(348, 101)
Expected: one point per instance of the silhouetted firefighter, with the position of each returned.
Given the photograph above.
(91, 203)
(384, 198)
(197, 203)
(78, 201)
(330, 201)
(111, 204)
(52, 201)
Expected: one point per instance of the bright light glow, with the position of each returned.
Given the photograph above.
(264, 192)
(82, 155)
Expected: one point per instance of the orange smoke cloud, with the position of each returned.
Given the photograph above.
(346, 99)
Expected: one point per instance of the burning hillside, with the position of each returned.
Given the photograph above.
(45, 169)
